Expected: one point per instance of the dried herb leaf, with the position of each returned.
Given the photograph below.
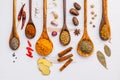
(101, 58)
(107, 50)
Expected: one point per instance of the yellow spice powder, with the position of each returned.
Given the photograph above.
(43, 47)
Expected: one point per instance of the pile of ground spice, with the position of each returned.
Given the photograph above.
(44, 47)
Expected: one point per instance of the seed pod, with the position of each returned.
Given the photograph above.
(20, 12)
(23, 19)
(101, 58)
(54, 22)
(107, 50)
(77, 6)
(74, 12)
(75, 21)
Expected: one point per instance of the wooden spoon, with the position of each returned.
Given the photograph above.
(64, 34)
(14, 41)
(30, 30)
(104, 29)
(44, 45)
(85, 46)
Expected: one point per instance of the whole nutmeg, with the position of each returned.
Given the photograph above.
(75, 21)
(74, 12)
(77, 6)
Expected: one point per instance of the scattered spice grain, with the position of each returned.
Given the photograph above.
(90, 22)
(92, 6)
(93, 26)
(92, 12)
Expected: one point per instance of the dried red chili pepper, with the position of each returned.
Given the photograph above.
(23, 18)
(29, 49)
(20, 13)
(29, 43)
(29, 55)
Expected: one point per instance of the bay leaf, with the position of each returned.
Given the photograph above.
(107, 50)
(101, 58)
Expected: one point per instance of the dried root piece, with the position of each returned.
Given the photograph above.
(44, 62)
(44, 69)
(44, 66)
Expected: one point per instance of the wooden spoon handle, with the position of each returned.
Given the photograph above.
(30, 10)
(14, 17)
(64, 11)
(104, 7)
(104, 10)
(85, 16)
(44, 14)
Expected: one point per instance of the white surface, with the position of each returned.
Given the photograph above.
(89, 68)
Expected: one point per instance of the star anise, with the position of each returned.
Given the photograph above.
(77, 32)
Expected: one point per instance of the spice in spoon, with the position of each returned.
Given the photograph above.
(44, 47)
(86, 46)
(65, 37)
(14, 43)
(30, 31)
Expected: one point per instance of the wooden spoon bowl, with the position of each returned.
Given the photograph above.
(85, 46)
(86, 43)
(30, 30)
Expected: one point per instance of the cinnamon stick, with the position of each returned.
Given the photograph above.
(65, 57)
(66, 64)
(64, 52)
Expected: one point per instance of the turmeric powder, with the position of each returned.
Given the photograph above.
(105, 32)
(44, 47)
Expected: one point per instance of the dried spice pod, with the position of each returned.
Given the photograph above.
(77, 6)
(23, 19)
(101, 58)
(75, 21)
(20, 13)
(107, 50)
(74, 12)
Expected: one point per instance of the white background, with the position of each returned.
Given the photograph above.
(82, 68)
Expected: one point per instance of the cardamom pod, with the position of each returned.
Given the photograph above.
(107, 50)
(101, 58)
